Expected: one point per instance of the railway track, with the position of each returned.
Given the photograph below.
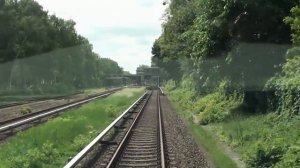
(134, 139)
(36, 100)
(12, 126)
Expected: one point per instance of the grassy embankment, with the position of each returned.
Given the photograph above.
(51, 144)
(205, 139)
(262, 140)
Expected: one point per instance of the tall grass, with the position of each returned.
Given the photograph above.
(51, 144)
(205, 139)
(204, 109)
(263, 140)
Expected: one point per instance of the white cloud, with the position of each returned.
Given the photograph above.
(123, 30)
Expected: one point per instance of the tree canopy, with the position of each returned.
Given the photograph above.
(242, 42)
(42, 51)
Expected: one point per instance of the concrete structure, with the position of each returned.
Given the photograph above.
(144, 76)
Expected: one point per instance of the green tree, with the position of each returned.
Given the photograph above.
(42, 52)
(243, 42)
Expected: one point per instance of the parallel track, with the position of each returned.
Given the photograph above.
(37, 100)
(9, 127)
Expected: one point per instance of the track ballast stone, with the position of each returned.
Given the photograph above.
(182, 149)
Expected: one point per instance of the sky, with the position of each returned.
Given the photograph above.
(123, 30)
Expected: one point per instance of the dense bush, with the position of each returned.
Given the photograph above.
(291, 157)
(247, 44)
(264, 141)
(37, 157)
(203, 109)
(267, 140)
(216, 106)
(25, 110)
(287, 87)
(287, 84)
(262, 155)
(184, 95)
(276, 145)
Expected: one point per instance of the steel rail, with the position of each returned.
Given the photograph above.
(115, 157)
(161, 131)
(13, 120)
(90, 146)
(17, 122)
(4, 106)
(40, 116)
(10, 105)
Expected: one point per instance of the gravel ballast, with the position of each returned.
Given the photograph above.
(182, 149)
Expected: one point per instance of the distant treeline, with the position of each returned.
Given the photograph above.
(251, 46)
(42, 52)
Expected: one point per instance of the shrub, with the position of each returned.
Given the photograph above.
(170, 85)
(25, 110)
(261, 155)
(184, 96)
(287, 84)
(291, 158)
(216, 106)
(287, 88)
(111, 111)
(36, 157)
(81, 140)
(206, 109)
(267, 140)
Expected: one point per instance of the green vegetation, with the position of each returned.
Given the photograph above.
(205, 139)
(219, 158)
(51, 144)
(25, 110)
(206, 109)
(234, 66)
(242, 43)
(41, 53)
(287, 83)
(263, 140)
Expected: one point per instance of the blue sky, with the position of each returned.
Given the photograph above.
(123, 30)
